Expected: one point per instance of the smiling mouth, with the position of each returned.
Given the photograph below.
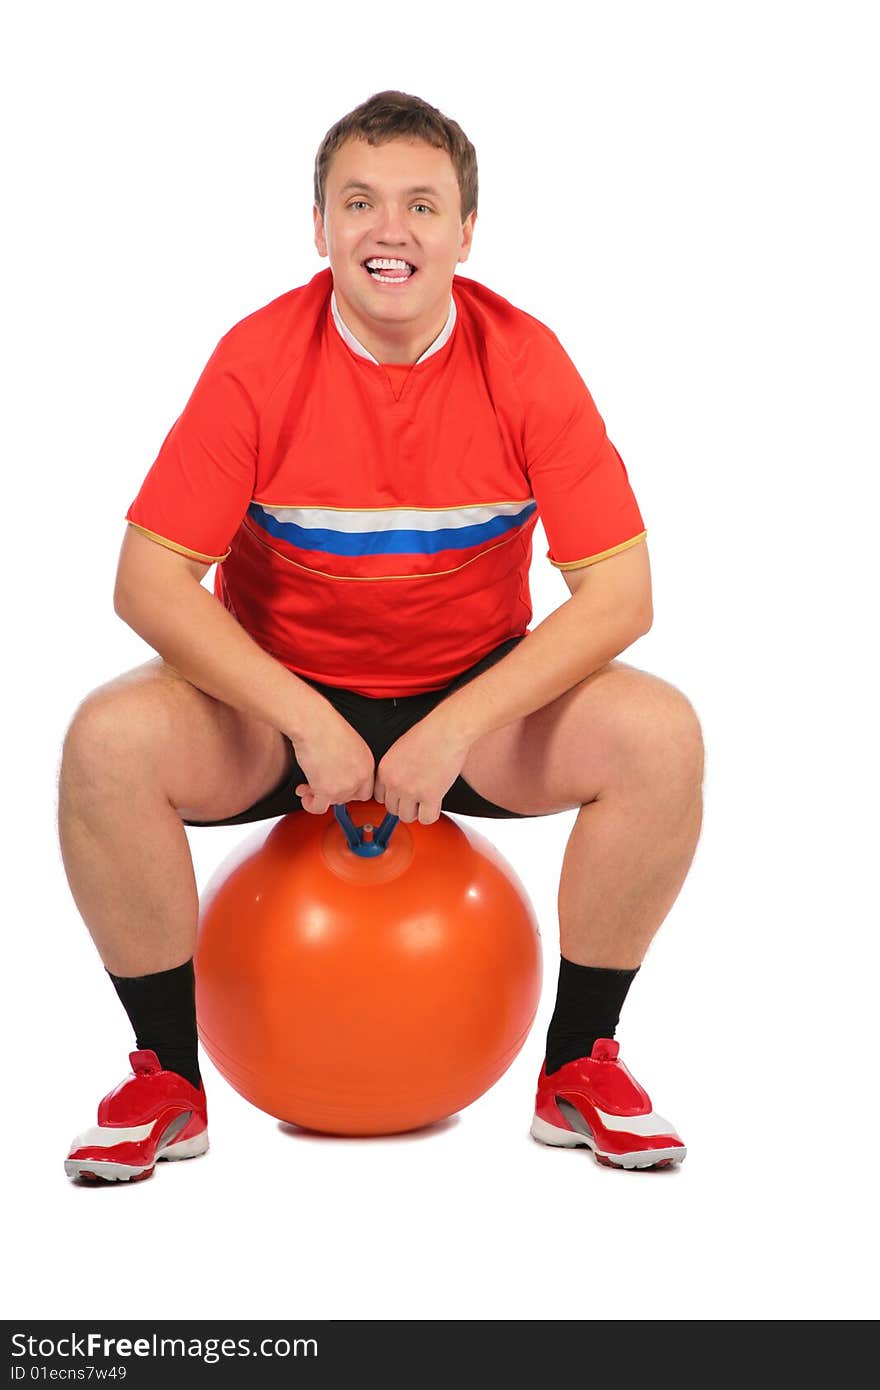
(388, 270)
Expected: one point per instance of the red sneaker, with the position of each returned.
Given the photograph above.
(151, 1115)
(595, 1101)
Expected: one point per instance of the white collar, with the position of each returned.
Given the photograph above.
(349, 338)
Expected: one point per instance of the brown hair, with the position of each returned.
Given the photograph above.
(394, 116)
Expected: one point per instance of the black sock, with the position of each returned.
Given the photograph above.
(162, 1011)
(589, 999)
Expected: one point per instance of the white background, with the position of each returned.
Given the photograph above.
(686, 195)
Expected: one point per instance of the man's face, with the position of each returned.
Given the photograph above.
(399, 201)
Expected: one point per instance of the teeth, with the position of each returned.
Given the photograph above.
(383, 263)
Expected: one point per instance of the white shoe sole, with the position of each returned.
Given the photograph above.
(639, 1158)
(125, 1172)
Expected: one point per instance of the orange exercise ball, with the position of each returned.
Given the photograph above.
(357, 978)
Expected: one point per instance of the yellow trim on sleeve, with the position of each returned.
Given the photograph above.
(593, 559)
(181, 549)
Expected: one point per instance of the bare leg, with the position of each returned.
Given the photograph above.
(141, 752)
(629, 853)
(625, 748)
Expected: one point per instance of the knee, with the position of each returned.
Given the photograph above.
(92, 738)
(102, 735)
(659, 739)
(678, 736)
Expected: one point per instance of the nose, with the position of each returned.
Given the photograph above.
(390, 225)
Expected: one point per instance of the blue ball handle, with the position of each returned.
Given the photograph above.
(367, 849)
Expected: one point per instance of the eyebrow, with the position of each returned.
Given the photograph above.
(359, 186)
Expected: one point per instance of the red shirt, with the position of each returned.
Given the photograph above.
(372, 525)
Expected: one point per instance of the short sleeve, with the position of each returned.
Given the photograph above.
(578, 479)
(199, 488)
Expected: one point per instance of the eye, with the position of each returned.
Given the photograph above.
(422, 205)
(358, 201)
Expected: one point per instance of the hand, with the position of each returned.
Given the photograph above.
(338, 764)
(418, 770)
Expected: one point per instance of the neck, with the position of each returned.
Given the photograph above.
(394, 343)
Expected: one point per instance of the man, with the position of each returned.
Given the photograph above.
(364, 459)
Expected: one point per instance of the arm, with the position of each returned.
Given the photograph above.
(160, 595)
(610, 606)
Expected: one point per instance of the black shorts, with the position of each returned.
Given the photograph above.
(380, 723)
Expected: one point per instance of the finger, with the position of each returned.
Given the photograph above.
(429, 812)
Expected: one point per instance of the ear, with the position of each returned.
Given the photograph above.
(320, 239)
(467, 235)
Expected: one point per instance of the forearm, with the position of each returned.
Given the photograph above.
(193, 632)
(571, 642)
